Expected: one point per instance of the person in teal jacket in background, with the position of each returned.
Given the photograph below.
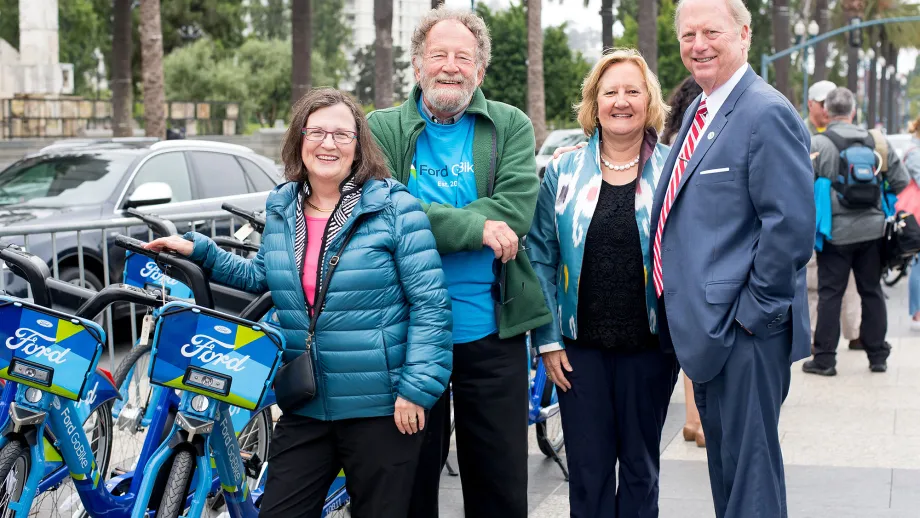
(382, 344)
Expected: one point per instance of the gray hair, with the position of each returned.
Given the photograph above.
(736, 8)
(840, 102)
(469, 19)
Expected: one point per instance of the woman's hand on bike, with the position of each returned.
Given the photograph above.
(557, 364)
(176, 244)
(409, 417)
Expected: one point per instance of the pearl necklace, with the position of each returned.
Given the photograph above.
(623, 167)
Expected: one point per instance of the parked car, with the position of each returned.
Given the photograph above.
(97, 180)
(557, 139)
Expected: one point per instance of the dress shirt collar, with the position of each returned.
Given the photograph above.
(716, 99)
(428, 116)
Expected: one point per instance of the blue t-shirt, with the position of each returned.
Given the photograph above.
(442, 172)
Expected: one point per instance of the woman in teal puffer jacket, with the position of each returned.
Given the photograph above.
(382, 345)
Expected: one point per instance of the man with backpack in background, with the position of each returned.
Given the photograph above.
(817, 122)
(856, 163)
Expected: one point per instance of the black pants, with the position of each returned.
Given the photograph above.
(490, 413)
(834, 265)
(307, 454)
(614, 412)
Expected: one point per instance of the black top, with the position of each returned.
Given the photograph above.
(611, 291)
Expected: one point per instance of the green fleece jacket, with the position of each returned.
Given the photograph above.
(513, 200)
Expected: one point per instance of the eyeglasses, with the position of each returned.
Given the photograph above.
(499, 289)
(338, 136)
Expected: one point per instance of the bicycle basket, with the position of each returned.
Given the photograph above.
(217, 355)
(47, 349)
(143, 272)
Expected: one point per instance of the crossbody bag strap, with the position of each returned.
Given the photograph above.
(333, 263)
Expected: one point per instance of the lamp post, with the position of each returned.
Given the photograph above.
(800, 30)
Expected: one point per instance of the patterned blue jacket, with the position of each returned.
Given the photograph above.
(385, 329)
(556, 242)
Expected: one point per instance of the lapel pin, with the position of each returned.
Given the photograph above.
(711, 135)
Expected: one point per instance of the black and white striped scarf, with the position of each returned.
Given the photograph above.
(351, 195)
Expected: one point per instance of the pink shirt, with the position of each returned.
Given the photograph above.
(315, 229)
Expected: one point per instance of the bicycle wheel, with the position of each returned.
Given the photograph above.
(63, 499)
(549, 432)
(173, 502)
(254, 440)
(15, 462)
(133, 382)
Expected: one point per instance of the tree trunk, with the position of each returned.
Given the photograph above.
(122, 94)
(607, 24)
(852, 9)
(536, 97)
(436, 3)
(883, 79)
(780, 43)
(648, 33)
(871, 91)
(823, 17)
(383, 54)
(152, 67)
(301, 51)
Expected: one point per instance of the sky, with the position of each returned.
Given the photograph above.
(574, 11)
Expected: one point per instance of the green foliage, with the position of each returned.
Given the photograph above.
(506, 78)
(364, 85)
(330, 36)
(81, 32)
(257, 75)
(9, 21)
(913, 95)
(185, 21)
(563, 72)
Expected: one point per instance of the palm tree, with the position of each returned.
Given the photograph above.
(536, 97)
(781, 42)
(606, 23)
(301, 35)
(648, 33)
(122, 95)
(383, 53)
(152, 63)
(822, 16)
(852, 9)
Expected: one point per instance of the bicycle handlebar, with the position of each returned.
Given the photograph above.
(171, 264)
(31, 268)
(256, 220)
(235, 244)
(160, 226)
(119, 293)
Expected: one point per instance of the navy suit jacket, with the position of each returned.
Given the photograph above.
(740, 231)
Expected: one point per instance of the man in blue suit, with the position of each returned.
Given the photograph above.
(735, 219)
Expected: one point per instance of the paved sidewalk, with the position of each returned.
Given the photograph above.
(851, 443)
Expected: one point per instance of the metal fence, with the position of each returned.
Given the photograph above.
(205, 222)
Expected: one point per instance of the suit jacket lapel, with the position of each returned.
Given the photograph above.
(715, 127)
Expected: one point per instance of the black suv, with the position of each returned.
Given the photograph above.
(92, 181)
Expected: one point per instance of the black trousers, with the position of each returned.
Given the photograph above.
(834, 265)
(306, 455)
(613, 413)
(489, 383)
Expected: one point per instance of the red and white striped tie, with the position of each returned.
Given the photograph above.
(682, 159)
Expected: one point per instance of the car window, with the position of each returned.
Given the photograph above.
(59, 180)
(561, 140)
(218, 174)
(169, 168)
(257, 176)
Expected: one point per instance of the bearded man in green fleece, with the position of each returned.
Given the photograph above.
(471, 163)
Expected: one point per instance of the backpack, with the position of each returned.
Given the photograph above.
(858, 183)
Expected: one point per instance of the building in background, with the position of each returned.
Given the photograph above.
(359, 15)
